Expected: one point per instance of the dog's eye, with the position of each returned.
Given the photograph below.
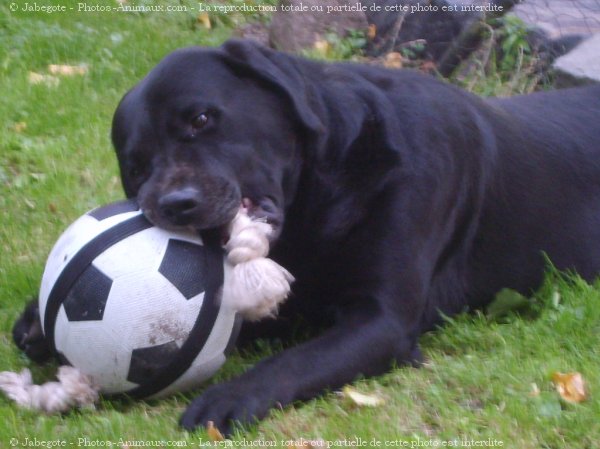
(199, 121)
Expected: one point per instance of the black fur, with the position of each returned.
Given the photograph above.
(395, 197)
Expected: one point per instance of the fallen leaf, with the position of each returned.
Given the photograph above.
(19, 127)
(322, 46)
(535, 391)
(86, 177)
(67, 70)
(38, 78)
(361, 399)
(428, 66)
(393, 60)
(570, 386)
(213, 433)
(204, 19)
(37, 176)
(372, 31)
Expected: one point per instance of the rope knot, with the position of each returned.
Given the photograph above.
(254, 285)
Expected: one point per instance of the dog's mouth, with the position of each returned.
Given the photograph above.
(268, 210)
(265, 210)
(217, 225)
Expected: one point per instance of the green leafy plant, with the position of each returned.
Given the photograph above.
(336, 47)
(513, 41)
(504, 64)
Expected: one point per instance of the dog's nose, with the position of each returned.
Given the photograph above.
(178, 206)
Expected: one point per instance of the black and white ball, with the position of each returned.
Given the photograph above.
(135, 307)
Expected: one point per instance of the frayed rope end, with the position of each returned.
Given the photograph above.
(73, 389)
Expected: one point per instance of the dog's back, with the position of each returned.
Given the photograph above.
(545, 191)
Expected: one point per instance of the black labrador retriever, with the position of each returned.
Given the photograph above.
(395, 197)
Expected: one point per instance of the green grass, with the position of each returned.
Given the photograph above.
(479, 373)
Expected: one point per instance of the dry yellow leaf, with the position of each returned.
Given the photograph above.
(204, 19)
(393, 60)
(535, 390)
(372, 31)
(35, 78)
(67, 70)
(428, 67)
(361, 399)
(19, 127)
(213, 433)
(38, 78)
(322, 46)
(570, 386)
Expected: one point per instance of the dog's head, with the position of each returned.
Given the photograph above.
(210, 129)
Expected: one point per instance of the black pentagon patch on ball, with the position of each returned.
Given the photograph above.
(87, 297)
(184, 265)
(147, 362)
(110, 210)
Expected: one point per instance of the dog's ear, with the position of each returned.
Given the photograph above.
(281, 72)
(366, 125)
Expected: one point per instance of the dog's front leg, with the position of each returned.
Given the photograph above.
(28, 335)
(353, 347)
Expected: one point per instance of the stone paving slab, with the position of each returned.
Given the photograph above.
(560, 18)
(582, 64)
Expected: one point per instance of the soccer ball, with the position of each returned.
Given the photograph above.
(136, 307)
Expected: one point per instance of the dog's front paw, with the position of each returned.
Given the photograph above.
(28, 335)
(227, 405)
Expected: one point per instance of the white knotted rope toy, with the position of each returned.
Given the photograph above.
(253, 285)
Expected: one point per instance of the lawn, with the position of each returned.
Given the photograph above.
(486, 381)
